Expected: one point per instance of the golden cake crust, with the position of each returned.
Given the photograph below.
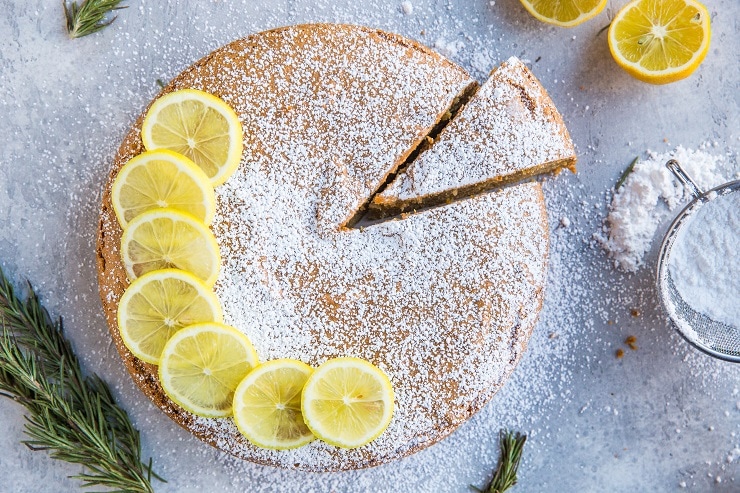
(443, 301)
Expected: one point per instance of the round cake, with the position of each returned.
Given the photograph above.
(443, 300)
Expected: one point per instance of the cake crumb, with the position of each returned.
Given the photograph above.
(407, 7)
(631, 342)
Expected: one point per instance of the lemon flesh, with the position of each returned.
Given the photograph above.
(160, 303)
(202, 365)
(165, 239)
(347, 402)
(197, 125)
(564, 13)
(660, 41)
(267, 405)
(162, 179)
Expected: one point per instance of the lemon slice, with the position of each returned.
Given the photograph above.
(347, 402)
(267, 405)
(162, 179)
(202, 365)
(564, 13)
(164, 239)
(660, 41)
(160, 303)
(197, 125)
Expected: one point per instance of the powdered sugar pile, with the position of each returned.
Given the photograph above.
(648, 197)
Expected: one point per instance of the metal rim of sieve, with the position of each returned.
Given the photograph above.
(663, 275)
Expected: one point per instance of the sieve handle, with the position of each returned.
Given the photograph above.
(684, 178)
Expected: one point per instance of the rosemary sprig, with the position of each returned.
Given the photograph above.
(74, 417)
(504, 477)
(88, 17)
(626, 173)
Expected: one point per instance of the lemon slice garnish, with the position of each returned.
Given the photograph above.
(197, 125)
(160, 303)
(202, 365)
(564, 13)
(660, 41)
(267, 405)
(162, 179)
(164, 239)
(347, 402)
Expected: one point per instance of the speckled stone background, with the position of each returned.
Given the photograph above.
(663, 418)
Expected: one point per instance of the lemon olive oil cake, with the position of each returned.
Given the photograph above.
(442, 301)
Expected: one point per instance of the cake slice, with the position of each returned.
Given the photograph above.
(508, 131)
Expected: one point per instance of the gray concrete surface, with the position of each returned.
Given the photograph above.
(663, 418)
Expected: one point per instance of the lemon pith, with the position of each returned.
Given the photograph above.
(158, 304)
(660, 41)
(267, 405)
(347, 402)
(162, 179)
(202, 365)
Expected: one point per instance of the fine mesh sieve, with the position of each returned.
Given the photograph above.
(711, 336)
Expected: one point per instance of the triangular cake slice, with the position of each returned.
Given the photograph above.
(508, 131)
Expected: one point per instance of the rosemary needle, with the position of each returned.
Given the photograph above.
(75, 417)
(626, 173)
(504, 477)
(88, 17)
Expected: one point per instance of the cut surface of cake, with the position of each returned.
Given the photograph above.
(508, 131)
(443, 301)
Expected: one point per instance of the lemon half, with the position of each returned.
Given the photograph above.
(660, 41)
(564, 13)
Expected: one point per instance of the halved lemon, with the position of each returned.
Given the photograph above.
(564, 13)
(160, 303)
(202, 365)
(347, 402)
(162, 179)
(197, 125)
(164, 239)
(267, 405)
(660, 41)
